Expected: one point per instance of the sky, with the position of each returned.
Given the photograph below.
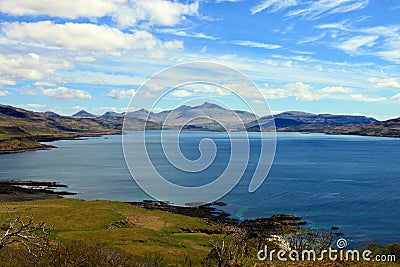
(321, 56)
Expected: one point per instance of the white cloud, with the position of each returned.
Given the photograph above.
(157, 110)
(303, 92)
(273, 5)
(385, 82)
(121, 94)
(391, 55)
(181, 93)
(67, 9)
(69, 109)
(349, 6)
(173, 45)
(77, 36)
(275, 93)
(78, 108)
(124, 12)
(101, 77)
(310, 9)
(31, 66)
(335, 25)
(84, 59)
(256, 44)
(355, 43)
(231, 1)
(335, 89)
(106, 109)
(315, 9)
(258, 102)
(387, 39)
(42, 84)
(210, 89)
(36, 106)
(302, 52)
(63, 93)
(157, 12)
(312, 39)
(4, 93)
(396, 97)
(287, 64)
(184, 33)
(6, 82)
(362, 98)
(299, 90)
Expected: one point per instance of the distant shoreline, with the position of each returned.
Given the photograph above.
(22, 130)
(20, 190)
(33, 143)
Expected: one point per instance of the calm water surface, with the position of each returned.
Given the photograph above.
(347, 181)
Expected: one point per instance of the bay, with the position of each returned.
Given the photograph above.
(350, 182)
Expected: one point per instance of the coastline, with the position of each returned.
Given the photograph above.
(211, 213)
(33, 143)
(17, 191)
(53, 169)
(21, 191)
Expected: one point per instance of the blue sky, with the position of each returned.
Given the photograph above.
(322, 56)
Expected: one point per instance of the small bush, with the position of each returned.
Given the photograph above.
(391, 249)
(73, 254)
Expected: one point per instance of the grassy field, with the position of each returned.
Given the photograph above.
(135, 230)
(120, 225)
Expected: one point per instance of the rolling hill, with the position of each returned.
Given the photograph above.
(21, 130)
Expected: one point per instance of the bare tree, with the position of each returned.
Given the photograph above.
(228, 250)
(307, 238)
(33, 236)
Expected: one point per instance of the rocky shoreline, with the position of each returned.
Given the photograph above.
(211, 212)
(16, 191)
(19, 190)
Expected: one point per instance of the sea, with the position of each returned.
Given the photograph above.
(350, 182)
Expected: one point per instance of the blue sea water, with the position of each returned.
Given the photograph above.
(350, 182)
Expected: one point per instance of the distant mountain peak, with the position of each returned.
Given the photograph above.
(141, 111)
(51, 113)
(83, 113)
(183, 107)
(296, 113)
(210, 105)
(110, 114)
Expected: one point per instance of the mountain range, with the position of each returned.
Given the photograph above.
(209, 116)
(21, 129)
(296, 118)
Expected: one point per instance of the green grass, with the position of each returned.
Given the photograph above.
(89, 221)
(147, 232)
